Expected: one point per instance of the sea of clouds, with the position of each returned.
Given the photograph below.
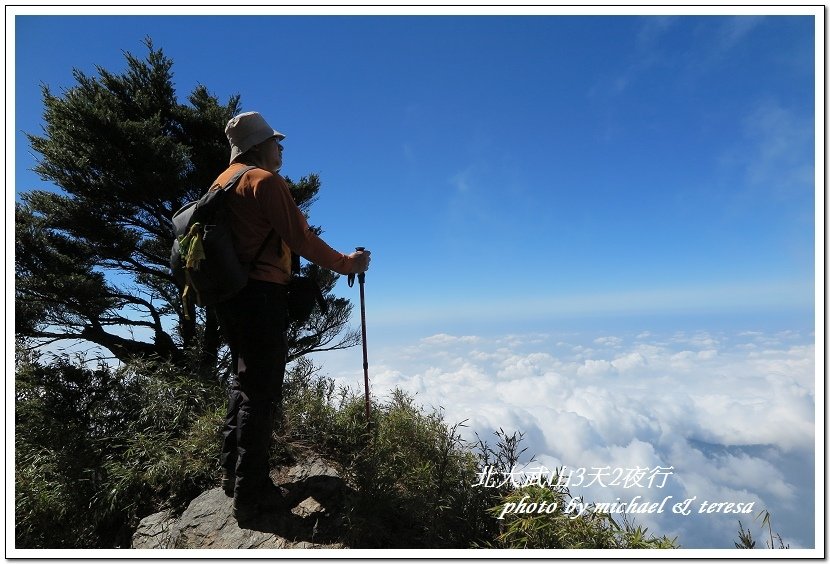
(728, 417)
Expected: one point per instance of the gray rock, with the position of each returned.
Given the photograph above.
(155, 531)
(312, 518)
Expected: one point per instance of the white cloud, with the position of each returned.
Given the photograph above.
(593, 368)
(726, 417)
(628, 362)
(609, 341)
(444, 339)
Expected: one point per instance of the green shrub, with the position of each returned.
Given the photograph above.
(98, 448)
(557, 529)
(413, 474)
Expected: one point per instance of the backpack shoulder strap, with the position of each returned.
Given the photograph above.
(235, 178)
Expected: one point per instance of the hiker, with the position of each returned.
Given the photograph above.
(254, 320)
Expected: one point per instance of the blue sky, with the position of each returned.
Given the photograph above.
(590, 179)
(585, 155)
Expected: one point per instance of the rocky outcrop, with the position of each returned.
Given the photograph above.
(312, 518)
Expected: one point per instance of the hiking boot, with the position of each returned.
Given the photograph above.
(228, 482)
(265, 500)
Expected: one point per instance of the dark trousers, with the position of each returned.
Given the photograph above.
(254, 323)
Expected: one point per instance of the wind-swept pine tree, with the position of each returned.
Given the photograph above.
(91, 259)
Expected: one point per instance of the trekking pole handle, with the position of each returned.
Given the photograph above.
(360, 277)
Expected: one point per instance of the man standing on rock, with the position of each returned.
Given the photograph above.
(254, 321)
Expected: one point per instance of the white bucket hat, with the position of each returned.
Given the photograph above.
(246, 130)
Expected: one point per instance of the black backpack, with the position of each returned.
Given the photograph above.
(203, 258)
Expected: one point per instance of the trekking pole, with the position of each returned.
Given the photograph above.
(361, 278)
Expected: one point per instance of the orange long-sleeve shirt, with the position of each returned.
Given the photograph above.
(262, 201)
